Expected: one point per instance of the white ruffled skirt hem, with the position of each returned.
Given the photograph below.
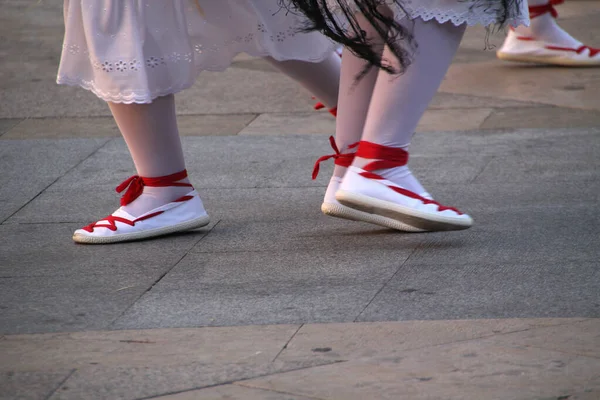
(133, 51)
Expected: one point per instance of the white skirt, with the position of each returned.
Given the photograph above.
(132, 51)
(458, 12)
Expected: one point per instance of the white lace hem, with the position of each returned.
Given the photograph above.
(457, 13)
(147, 96)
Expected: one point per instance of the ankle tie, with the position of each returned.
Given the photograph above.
(387, 157)
(391, 157)
(135, 185)
(536, 11)
(343, 160)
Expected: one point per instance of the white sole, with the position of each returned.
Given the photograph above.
(341, 211)
(561, 61)
(145, 234)
(402, 214)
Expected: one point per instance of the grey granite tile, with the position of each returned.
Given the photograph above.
(262, 288)
(526, 235)
(310, 232)
(47, 250)
(22, 385)
(488, 290)
(50, 304)
(30, 166)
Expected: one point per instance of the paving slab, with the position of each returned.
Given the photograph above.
(443, 100)
(232, 392)
(173, 347)
(57, 304)
(64, 128)
(313, 232)
(46, 250)
(431, 359)
(252, 288)
(541, 117)
(493, 202)
(526, 83)
(580, 338)
(291, 123)
(151, 381)
(8, 124)
(524, 236)
(452, 371)
(29, 167)
(30, 385)
(526, 169)
(389, 341)
(534, 142)
(428, 290)
(214, 124)
(239, 205)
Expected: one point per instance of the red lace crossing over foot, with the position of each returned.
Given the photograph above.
(390, 157)
(112, 220)
(135, 185)
(340, 159)
(579, 50)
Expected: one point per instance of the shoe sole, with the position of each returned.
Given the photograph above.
(128, 237)
(401, 214)
(564, 62)
(341, 211)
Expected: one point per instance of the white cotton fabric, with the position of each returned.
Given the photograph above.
(132, 51)
(470, 12)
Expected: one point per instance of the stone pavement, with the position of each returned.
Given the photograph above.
(274, 300)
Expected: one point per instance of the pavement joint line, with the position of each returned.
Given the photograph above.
(302, 396)
(491, 335)
(238, 381)
(492, 111)
(12, 127)
(249, 122)
(187, 252)
(417, 246)
(56, 180)
(61, 383)
(492, 158)
(288, 342)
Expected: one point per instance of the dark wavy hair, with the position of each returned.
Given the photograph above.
(336, 20)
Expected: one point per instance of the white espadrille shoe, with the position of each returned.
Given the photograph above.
(334, 208)
(533, 50)
(368, 192)
(183, 214)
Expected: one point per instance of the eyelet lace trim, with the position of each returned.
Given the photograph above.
(457, 15)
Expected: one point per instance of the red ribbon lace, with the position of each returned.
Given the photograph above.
(391, 157)
(536, 11)
(343, 160)
(135, 185)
